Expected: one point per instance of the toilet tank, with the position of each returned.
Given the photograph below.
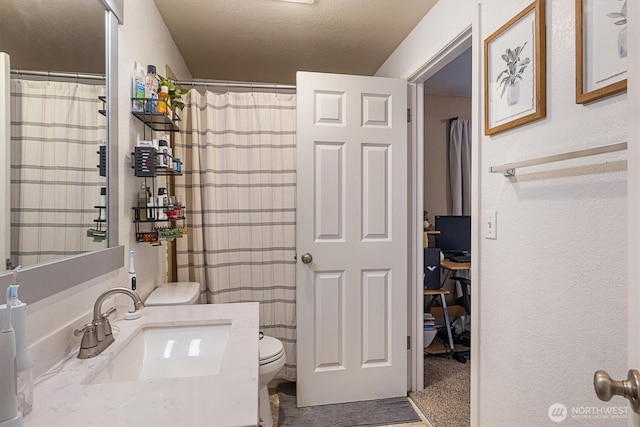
(174, 293)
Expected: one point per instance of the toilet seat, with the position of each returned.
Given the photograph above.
(271, 349)
(174, 293)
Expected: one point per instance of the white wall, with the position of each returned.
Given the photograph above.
(551, 290)
(50, 322)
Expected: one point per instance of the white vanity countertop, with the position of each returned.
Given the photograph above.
(227, 399)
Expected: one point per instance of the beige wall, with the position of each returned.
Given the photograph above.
(437, 109)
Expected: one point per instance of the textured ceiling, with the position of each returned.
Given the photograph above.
(242, 40)
(269, 40)
(60, 35)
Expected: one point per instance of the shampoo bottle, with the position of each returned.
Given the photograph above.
(9, 415)
(138, 88)
(151, 89)
(132, 313)
(24, 361)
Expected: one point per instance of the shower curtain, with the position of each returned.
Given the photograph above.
(56, 132)
(239, 188)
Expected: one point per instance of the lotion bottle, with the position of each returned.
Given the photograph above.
(132, 313)
(9, 415)
(24, 361)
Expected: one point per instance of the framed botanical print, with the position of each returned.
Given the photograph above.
(601, 49)
(515, 71)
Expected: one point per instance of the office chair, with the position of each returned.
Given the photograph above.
(433, 291)
(464, 301)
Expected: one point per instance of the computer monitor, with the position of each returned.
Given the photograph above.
(455, 234)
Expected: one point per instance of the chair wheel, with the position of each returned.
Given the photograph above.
(460, 358)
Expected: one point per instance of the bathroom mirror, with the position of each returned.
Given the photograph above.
(56, 129)
(66, 37)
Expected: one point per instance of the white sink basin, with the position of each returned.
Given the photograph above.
(169, 352)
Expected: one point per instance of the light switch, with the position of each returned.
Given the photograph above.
(490, 225)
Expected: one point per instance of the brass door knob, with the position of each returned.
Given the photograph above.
(606, 388)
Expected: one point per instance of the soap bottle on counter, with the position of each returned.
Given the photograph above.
(24, 361)
(9, 415)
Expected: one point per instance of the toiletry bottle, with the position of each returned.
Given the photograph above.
(132, 313)
(142, 202)
(163, 153)
(162, 203)
(138, 88)
(151, 89)
(103, 203)
(9, 415)
(24, 361)
(163, 100)
(151, 202)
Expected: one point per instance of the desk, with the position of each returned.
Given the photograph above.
(454, 266)
(451, 266)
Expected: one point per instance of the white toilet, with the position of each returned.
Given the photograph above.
(272, 360)
(174, 293)
(272, 357)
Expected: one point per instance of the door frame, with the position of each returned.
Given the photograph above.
(633, 198)
(455, 47)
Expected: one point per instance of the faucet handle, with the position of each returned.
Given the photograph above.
(88, 333)
(107, 313)
(89, 327)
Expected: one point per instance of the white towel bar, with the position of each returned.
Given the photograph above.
(509, 169)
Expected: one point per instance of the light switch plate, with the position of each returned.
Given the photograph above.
(490, 225)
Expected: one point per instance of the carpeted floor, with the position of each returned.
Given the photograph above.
(446, 396)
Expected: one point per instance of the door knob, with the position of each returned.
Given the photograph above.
(306, 258)
(606, 388)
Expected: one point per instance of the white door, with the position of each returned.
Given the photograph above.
(352, 220)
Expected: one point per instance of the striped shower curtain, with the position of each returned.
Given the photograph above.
(56, 132)
(239, 187)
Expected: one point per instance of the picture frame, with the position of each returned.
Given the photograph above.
(515, 71)
(601, 49)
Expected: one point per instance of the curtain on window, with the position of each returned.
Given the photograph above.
(460, 166)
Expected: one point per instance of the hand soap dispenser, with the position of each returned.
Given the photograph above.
(24, 361)
(9, 415)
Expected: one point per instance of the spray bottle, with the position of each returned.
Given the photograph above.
(9, 415)
(132, 313)
(24, 361)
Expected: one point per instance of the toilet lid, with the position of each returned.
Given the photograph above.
(175, 293)
(270, 349)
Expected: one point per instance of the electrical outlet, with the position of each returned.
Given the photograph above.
(490, 225)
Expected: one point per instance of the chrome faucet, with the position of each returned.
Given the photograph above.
(97, 336)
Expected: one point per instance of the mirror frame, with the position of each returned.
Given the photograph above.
(44, 280)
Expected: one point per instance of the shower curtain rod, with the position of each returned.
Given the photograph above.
(59, 75)
(233, 84)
